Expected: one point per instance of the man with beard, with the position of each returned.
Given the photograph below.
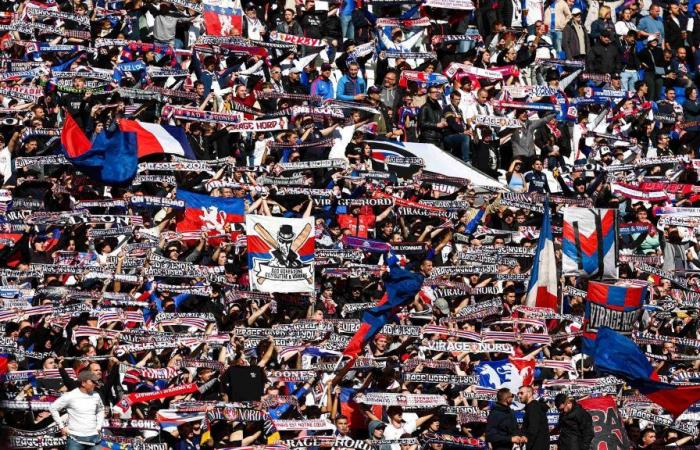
(535, 426)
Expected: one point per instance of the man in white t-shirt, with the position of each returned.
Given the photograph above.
(400, 424)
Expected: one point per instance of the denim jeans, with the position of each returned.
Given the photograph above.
(465, 46)
(628, 78)
(83, 443)
(556, 40)
(459, 145)
(347, 27)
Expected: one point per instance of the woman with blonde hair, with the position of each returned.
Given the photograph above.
(604, 22)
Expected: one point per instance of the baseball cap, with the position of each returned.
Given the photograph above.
(375, 425)
(374, 90)
(442, 305)
(295, 69)
(575, 11)
(87, 375)
(652, 37)
(326, 66)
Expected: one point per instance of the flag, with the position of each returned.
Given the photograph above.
(617, 306)
(608, 428)
(508, 373)
(617, 355)
(280, 253)
(589, 242)
(210, 214)
(401, 288)
(222, 21)
(154, 139)
(110, 159)
(73, 139)
(542, 288)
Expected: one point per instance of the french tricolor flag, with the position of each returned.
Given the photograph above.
(154, 139)
(542, 289)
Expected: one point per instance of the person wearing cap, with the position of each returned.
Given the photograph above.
(292, 82)
(651, 59)
(322, 85)
(382, 119)
(284, 255)
(253, 27)
(574, 39)
(605, 56)
(85, 414)
(376, 433)
(575, 424)
(400, 424)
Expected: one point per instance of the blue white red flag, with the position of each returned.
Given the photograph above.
(152, 139)
(505, 373)
(111, 158)
(210, 214)
(542, 289)
(222, 21)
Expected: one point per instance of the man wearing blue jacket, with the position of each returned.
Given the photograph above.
(322, 85)
(351, 86)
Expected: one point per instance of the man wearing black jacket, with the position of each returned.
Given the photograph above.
(535, 425)
(501, 426)
(455, 139)
(575, 424)
(430, 119)
(605, 56)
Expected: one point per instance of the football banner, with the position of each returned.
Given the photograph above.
(510, 373)
(221, 20)
(616, 306)
(608, 427)
(280, 253)
(589, 242)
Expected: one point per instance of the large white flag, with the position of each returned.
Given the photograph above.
(280, 253)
